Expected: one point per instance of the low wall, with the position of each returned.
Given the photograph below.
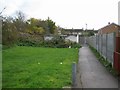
(72, 38)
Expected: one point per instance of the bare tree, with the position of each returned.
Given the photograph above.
(2, 11)
(20, 16)
(20, 21)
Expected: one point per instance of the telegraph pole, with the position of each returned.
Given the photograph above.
(86, 26)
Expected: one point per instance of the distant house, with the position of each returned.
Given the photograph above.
(91, 31)
(59, 29)
(110, 28)
(73, 31)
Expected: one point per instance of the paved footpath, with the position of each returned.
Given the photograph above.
(91, 73)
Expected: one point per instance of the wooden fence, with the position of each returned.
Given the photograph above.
(117, 55)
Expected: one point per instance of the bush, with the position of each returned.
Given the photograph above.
(26, 39)
(59, 42)
(75, 45)
(56, 42)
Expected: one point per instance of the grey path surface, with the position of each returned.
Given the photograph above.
(91, 73)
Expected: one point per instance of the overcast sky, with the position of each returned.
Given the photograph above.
(67, 13)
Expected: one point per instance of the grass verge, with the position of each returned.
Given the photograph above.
(34, 67)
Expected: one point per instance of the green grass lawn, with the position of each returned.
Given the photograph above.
(34, 67)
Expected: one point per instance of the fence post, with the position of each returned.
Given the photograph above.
(114, 41)
(98, 43)
(73, 74)
(106, 47)
(102, 44)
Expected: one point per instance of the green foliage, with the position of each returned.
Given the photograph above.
(44, 25)
(56, 42)
(48, 25)
(91, 33)
(26, 39)
(33, 30)
(38, 30)
(59, 42)
(9, 33)
(63, 32)
(37, 41)
(75, 45)
(88, 33)
(51, 25)
(11, 28)
(33, 67)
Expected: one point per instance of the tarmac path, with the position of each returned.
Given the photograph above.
(91, 73)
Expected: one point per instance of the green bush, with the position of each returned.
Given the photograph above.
(29, 40)
(75, 45)
(56, 42)
(59, 42)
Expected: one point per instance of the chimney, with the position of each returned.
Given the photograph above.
(108, 23)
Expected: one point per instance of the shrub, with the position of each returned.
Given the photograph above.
(26, 39)
(60, 42)
(56, 42)
(75, 45)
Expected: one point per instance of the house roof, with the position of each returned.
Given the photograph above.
(110, 25)
(110, 28)
(74, 30)
(91, 30)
